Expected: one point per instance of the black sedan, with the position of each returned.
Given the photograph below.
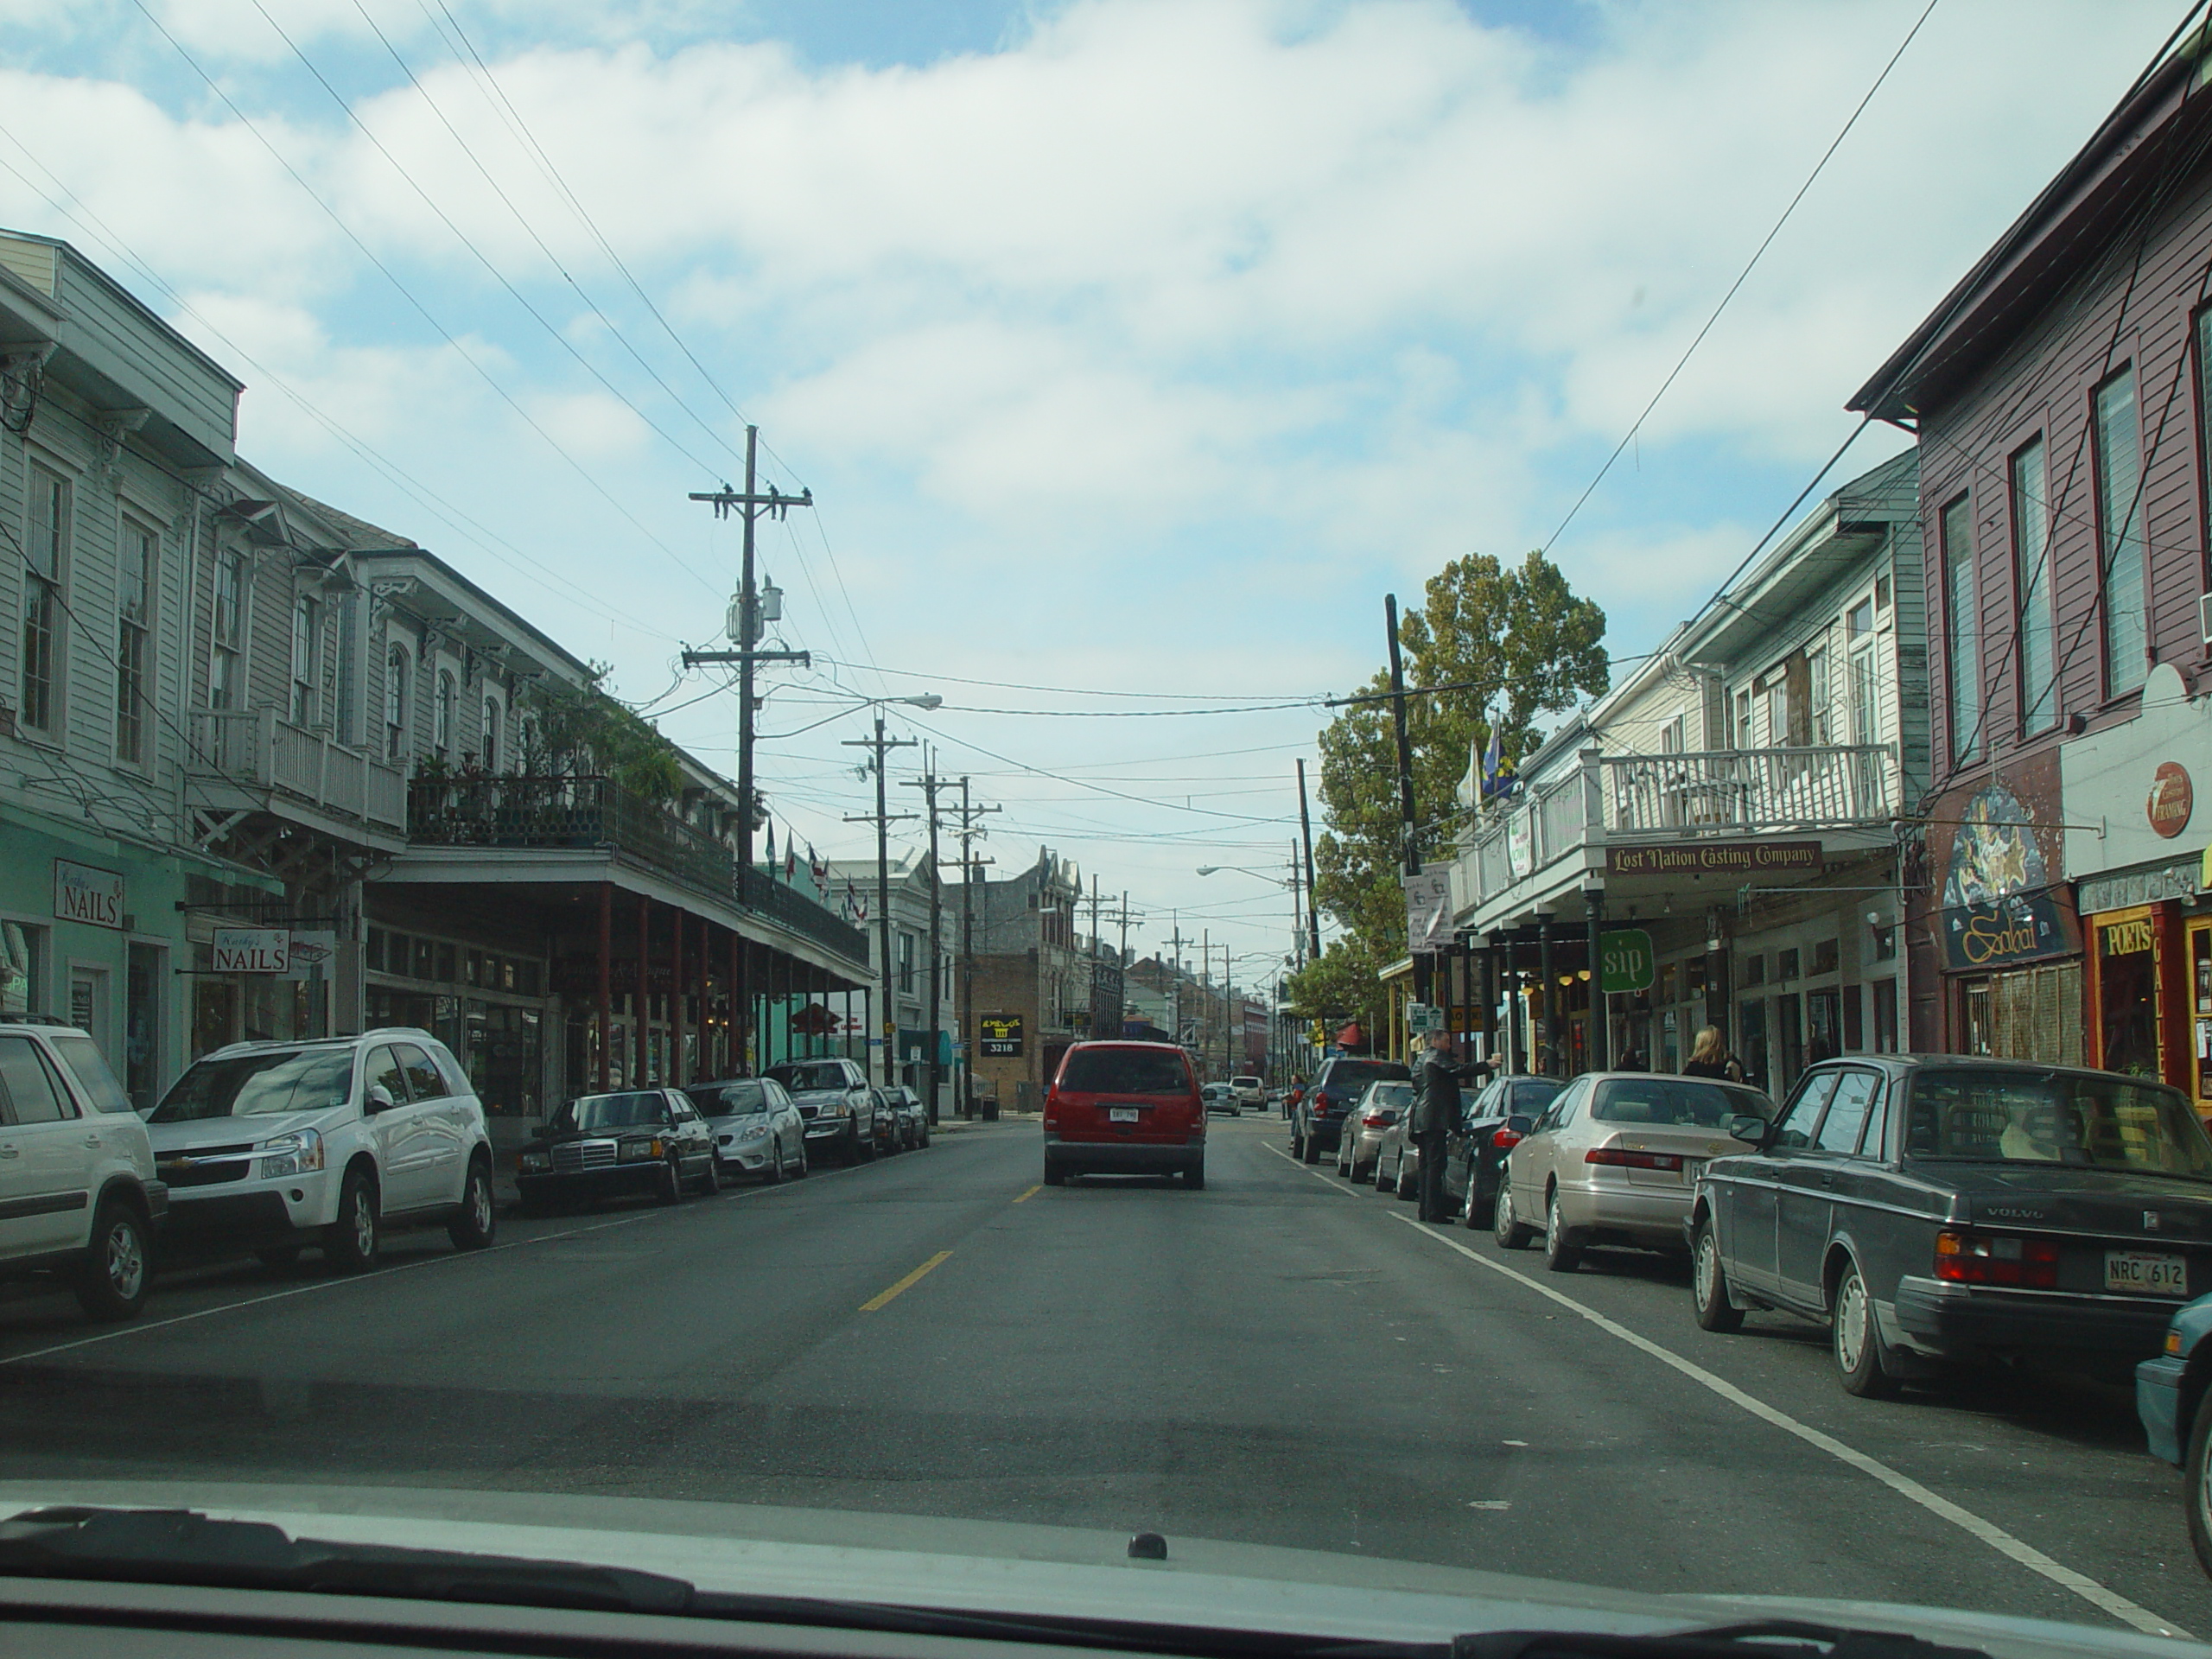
(1474, 1152)
(597, 1145)
(1951, 1208)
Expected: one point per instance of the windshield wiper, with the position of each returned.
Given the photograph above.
(1780, 1638)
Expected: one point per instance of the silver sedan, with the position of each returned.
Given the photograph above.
(1372, 1117)
(758, 1131)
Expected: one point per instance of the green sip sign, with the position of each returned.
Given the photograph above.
(1623, 960)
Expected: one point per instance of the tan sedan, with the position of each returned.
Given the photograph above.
(1614, 1159)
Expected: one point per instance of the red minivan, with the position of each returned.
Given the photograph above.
(1125, 1109)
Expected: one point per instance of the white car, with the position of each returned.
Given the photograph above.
(1251, 1092)
(283, 1145)
(78, 1195)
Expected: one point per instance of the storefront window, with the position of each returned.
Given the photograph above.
(19, 953)
(1751, 1020)
(2128, 994)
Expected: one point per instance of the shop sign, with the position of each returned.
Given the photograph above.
(2172, 797)
(311, 955)
(1521, 843)
(1716, 858)
(1428, 908)
(999, 1036)
(252, 950)
(82, 893)
(1998, 907)
(2129, 937)
(1623, 960)
(1421, 1018)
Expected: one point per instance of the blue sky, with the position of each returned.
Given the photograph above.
(1129, 346)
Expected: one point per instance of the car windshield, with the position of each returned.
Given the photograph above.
(1349, 1077)
(726, 1099)
(802, 1079)
(1675, 1102)
(2057, 1117)
(1529, 1096)
(259, 1085)
(82, 1056)
(636, 1109)
(1124, 1071)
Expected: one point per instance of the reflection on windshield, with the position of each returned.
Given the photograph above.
(257, 1085)
(634, 1110)
(2102, 1123)
(729, 1097)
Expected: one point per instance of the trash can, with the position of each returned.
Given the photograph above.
(990, 1109)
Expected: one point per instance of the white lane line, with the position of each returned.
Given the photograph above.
(1988, 1531)
(142, 1327)
(1307, 1169)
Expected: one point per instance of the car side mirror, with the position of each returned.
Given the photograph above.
(1520, 1123)
(379, 1098)
(1748, 1128)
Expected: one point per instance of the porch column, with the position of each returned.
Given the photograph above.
(1547, 1042)
(643, 996)
(606, 970)
(675, 1001)
(740, 1014)
(1600, 1047)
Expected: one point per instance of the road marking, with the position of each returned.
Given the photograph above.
(874, 1303)
(1030, 1194)
(1988, 1531)
(1342, 1192)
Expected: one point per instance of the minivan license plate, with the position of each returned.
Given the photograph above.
(2146, 1276)
(1121, 1115)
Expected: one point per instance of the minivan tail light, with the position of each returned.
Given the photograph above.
(1975, 1258)
(1622, 1158)
(1504, 1139)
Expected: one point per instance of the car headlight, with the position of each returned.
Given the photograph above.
(298, 1153)
(834, 1109)
(533, 1163)
(638, 1151)
(750, 1131)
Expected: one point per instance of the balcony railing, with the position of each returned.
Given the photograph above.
(1711, 793)
(551, 812)
(256, 747)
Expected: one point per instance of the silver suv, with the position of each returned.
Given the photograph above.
(833, 1096)
(283, 1145)
(78, 1191)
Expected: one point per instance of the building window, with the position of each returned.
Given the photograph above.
(1744, 719)
(531, 747)
(136, 571)
(1961, 631)
(1865, 707)
(489, 755)
(307, 641)
(2119, 535)
(1822, 723)
(395, 702)
(2038, 622)
(1673, 733)
(906, 963)
(223, 687)
(48, 556)
(442, 715)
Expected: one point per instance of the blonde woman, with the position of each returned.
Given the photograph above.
(1709, 1058)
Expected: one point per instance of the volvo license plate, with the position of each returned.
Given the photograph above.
(1121, 1115)
(2142, 1274)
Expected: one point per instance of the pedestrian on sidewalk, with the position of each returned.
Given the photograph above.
(1709, 1058)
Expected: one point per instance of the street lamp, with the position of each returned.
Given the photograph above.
(1290, 882)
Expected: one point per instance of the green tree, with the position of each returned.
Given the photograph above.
(1522, 645)
(1340, 985)
(583, 730)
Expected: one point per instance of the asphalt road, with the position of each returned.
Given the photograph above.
(1279, 1359)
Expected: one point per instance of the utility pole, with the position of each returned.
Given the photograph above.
(882, 820)
(1297, 914)
(929, 783)
(1230, 1012)
(744, 630)
(1431, 1135)
(1306, 833)
(968, 834)
(1175, 980)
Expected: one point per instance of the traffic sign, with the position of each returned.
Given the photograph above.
(1421, 1018)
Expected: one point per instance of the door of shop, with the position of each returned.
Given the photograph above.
(2200, 994)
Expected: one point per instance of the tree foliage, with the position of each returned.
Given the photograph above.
(583, 730)
(1523, 644)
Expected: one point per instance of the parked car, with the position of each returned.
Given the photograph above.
(1475, 1148)
(834, 1097)
(1397, 1155)
(1248, 1092)
(1219, 1098)
(1125, 1108)
(757, 1129)
(1614, 1159)
(913, 1115)
(1317, 1121)
(1954, 1208)
(2170, 1391)
(78, 1195)
(284, 1145)
(1380, 1107)
(890, 1131)
(632, 1141)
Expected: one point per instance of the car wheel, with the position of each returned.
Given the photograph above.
(2196, 1472)
(669, 1186)
(1297, 1144)
(350, 1243)
(863, 1146)
(1504, 1226)
(278, 1255)
(1562, 1253)
(1709, 1283)
(805, 1159)
(1860, 1359)
(1312, 1152)
(774, 1175)
(711, 1182)
(1195, 1178)
(118, 1268)
(477, 1220)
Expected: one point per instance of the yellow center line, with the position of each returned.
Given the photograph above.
(1030, 1194)
(906, 1283)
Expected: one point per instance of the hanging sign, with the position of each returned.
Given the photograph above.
(999, 1036)
(252, 950)
(1623, 960)
(311, 955)
(82, 893)
(2171, 799)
